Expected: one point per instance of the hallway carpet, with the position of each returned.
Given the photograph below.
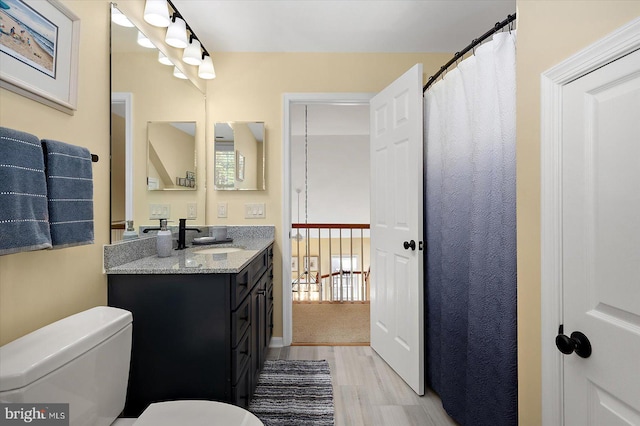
(330, 323)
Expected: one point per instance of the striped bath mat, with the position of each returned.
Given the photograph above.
(294, 392)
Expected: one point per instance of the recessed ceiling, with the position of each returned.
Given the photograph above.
(341, 25)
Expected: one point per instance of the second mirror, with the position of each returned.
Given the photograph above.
(239, 156)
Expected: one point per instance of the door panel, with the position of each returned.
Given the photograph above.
(601, 243)
(397, 327)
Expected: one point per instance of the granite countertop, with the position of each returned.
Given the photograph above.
(187, 261)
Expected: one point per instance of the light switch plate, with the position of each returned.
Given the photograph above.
(254, 211)
(222, 210)
(159, 211)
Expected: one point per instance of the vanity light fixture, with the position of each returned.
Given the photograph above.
(162, 58)
(206, 70)
(192, 54)
(144, 41)
(156, 13)
(179, 74)
(177, 33)
(119, 18)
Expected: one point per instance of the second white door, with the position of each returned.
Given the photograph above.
(397, 313)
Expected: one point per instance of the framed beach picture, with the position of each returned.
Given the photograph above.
(39, 42)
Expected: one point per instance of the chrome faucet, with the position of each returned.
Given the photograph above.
(181, 233)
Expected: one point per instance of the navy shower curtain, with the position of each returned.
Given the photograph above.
(471, 237)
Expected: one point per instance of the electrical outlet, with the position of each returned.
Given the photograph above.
(222, 210)
(254, 211)
(192, 210)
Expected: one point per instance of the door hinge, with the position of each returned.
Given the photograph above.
(420, 245)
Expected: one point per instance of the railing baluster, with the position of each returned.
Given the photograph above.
(352, 284)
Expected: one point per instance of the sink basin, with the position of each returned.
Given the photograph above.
(218, 250)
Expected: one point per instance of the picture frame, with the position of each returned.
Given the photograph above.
(239, 166)
(294, 264)
(39, 58)
(311, 263)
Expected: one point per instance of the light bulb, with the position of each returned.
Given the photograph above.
(179, 74)
(177, 34)
(206, 70)
(144, 41)
(162, 58)
(156, 12)
(192, 54)
(119, 18)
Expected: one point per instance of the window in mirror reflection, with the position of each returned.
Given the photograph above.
(239, 149)
(171, 156)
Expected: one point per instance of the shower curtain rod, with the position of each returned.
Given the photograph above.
(473, 44)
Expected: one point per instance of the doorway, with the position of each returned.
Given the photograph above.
(121, 163)
(294, 203)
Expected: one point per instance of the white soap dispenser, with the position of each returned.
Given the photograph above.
(164, 240)
(130, 233)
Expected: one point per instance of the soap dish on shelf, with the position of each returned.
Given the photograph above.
(201, 241)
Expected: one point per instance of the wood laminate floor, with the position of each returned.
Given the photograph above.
(366, 391)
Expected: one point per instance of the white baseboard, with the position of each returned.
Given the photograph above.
(276, 342)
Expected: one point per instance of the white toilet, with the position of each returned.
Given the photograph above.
(83, 360)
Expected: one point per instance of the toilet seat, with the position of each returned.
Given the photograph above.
(196, 413)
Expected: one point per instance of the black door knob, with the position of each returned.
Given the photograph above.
(578, 342)
(410, 244)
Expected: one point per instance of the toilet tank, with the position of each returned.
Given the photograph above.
(82, 360)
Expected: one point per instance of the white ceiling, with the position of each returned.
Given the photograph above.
(341, 25)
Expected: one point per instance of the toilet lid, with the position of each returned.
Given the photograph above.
(196, 413)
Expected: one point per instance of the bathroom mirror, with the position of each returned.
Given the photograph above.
(239, 151)
(171, 160)
(145, 91)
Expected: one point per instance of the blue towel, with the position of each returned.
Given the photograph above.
(70, 192)
(24, 217)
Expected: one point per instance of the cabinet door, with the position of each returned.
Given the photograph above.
(180, 337)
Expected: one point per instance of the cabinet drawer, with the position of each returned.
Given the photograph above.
(240, 322)
(259, 265)
(270, 291)
(240, 357)
(269, 326)
(241, 391)
(240, 286)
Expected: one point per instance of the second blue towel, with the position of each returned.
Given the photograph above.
(70, 193)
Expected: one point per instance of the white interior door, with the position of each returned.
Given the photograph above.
(397, 314)
(601, 243)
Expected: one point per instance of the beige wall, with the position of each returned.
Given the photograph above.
(39, 287)
(548, 33)
(249, 87)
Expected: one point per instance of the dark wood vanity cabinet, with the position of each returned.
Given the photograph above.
(196, 336)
